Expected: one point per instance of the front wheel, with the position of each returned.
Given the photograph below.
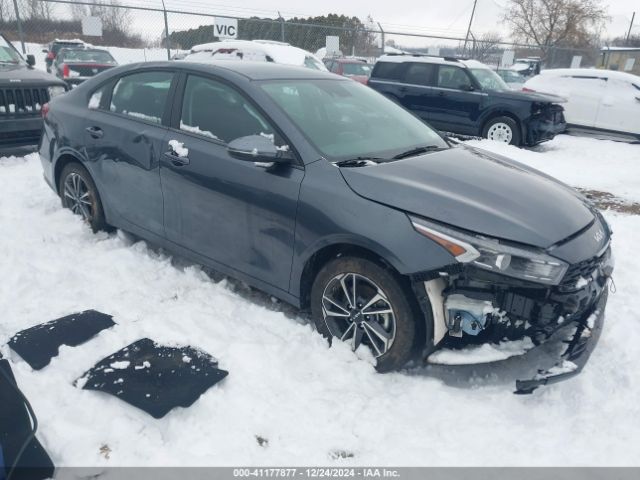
(502, 129)
(361, 303)
(80, 195)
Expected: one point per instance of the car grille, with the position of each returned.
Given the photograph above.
(23, 101)
(581, 269)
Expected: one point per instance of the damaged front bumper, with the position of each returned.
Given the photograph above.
(574, 358)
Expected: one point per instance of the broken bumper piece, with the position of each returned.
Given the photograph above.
(579, 348)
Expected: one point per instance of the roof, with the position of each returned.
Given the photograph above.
(401, 58)
(248, 69)
(591, 72)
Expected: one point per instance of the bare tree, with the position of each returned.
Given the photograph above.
(78, 11)
(36, 9)
(555, 23)
(486, 46)
(113, 17)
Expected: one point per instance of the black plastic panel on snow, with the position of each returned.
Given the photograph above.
(154, 378)
(38, 345)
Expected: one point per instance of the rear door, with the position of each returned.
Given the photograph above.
(234, 212)
(620, 107)
(124, 133)
(457, 102)
(584, 94)
(417, 93)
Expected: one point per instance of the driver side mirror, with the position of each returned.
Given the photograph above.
(257, 149)
(31, 60)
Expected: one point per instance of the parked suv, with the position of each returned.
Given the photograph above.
(468, 98)
(23, 92)
(321, 192)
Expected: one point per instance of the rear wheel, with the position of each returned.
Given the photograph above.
(80, 195)
(363, 304)
(502, 129)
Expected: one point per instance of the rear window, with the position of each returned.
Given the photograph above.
(88, 56)
(388, 70)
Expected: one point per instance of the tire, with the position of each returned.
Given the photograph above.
(79, 194)
(502, 129)
(393, 338)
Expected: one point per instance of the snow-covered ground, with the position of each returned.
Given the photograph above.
(313, 404)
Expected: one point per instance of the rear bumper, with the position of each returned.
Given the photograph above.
(17, 132)
(579, 348)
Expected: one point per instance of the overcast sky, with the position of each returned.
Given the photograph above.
(436, 17)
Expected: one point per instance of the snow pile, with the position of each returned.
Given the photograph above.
(484, 353)
(289, 399)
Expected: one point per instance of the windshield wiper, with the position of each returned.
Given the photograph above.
(358, 161)
(417, 151)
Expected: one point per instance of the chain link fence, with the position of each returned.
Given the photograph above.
(148, 31)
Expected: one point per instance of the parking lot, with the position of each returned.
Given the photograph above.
(289, 399)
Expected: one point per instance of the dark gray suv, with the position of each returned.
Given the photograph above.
(324, 193)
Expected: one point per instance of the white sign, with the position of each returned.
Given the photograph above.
(435, 51)
(225, 27)
(92, 27)
(576, 61)
(507, 58)
(332, 44)
(628, 65)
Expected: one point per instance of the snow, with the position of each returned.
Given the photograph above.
(482, 353)
(289, 398)
(192, 129)
(179, 148)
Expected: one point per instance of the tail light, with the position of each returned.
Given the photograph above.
(51, 56)
(526, 89)
(45, 110)
(65, 70)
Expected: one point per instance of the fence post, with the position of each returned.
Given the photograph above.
(166, 31)
(381, 36)
(19, 22)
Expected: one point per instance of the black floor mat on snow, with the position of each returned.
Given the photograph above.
(16, 432)
(38, 345)
(154, 378)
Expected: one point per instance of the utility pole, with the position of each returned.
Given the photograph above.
(19, 22)
(633, 17)
(280, 17)
(466, 39)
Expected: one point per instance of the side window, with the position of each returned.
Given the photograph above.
(453, 77)
(95, 100)
(420, 74)
(217, 111)
(142, 95)
(387, 70)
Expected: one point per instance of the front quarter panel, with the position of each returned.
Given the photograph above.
(330, 213)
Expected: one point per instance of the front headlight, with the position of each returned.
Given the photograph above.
(56, 90)
(490, 254)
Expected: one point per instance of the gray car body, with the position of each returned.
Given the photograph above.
(312, 209)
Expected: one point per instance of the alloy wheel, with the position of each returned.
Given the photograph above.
(358, 311)
(500, 132)
(77, 196)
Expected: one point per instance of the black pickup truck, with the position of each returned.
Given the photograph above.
(23, 92)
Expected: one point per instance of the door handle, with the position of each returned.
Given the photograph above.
(95, 132)
(176, 159)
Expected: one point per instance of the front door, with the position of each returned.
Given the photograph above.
(620, 107)
(455, 105)
(234, 212)
(124, 140)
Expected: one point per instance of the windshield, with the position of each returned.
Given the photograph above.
(511, 76)
(362, 69)
(346, 120)
(89, 56)
(7, 53)
(488, 79)
(313, 63)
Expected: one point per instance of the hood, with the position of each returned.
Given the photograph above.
(17, 75)
(528, 96)
(477, 191)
